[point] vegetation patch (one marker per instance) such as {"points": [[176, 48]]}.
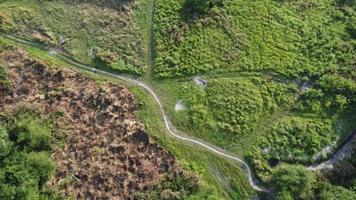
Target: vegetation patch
{"points": [[236, 35], [227, 107], [26, 165], [172, 186], [292, 140], [104, 33], [296, 182]]}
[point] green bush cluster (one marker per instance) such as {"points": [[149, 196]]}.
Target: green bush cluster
{"points": [[231, 107], [297, 140], [331, 94], [32, 133], [25, 163], [293, 182], [199, 7], [297, 182]]}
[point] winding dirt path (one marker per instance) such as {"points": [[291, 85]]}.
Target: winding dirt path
{"points": [[171, 130]]}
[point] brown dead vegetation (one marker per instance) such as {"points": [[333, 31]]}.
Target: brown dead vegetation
{"points": [[107, 154]]}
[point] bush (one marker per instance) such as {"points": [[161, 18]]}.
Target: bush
{"points": [[351, 3], [201, 6], [297, 140], [40, 164], [22, 173], [230, 107], [2, 74], [293, 140], [32, 133], [293, 182], [330, 192], [5, 143], [15, 175]]}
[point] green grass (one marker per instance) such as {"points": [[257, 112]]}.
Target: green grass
{"points": [[112, 32]]}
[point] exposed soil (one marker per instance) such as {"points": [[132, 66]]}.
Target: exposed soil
{"points": [[343, 152], [107, 153], [341, 167], [179, 106]]}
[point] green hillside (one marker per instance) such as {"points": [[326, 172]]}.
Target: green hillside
{"points": [[280, 77], [272, 81]]}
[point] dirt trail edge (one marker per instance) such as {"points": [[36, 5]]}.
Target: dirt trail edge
{"points": [[66, 58]]}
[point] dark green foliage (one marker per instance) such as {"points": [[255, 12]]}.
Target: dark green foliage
{"points": [[293, 140], [41, 164], [199, 7], [20, 174], [345, 173], [348, 16], [32, 133], [5, 143], [25, 163], [293, 182], [297, 140], [331, 95], [335, 85], [351, 3], [297, 182], [2, 74], [330, 192]]}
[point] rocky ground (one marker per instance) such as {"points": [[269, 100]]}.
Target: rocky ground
{"points": [[106, 153]]}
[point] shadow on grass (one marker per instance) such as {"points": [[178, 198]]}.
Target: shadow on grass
{"points": [[110, 4]]}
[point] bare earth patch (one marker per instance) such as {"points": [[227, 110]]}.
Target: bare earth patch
{"points": [[107, 154]]}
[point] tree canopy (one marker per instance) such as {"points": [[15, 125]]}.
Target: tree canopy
{"points": [[293, 181]]}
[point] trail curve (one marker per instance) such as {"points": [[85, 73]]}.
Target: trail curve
{"points": [[77, 64]]}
